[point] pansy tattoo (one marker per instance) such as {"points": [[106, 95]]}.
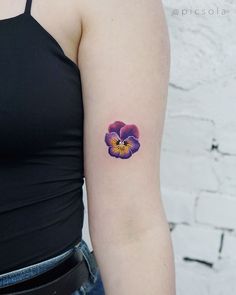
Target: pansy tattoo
{"points": [[122, 140]]}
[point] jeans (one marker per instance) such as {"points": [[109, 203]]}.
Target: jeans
{"points": [[93, 286]]}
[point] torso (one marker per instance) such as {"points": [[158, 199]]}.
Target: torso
{"points": [[41, 131], [62, 19]]}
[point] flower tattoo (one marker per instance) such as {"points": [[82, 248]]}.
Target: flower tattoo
{"points": [[122, 140]]}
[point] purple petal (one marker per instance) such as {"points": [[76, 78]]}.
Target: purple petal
{"points": [[126, 155], [114, 152], [133, 143], [111, 138], [116, 126], [129, 130]]}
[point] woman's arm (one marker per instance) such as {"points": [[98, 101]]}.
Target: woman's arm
{"points": [[124, 63]]}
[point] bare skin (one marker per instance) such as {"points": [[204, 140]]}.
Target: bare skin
{"points": [[122, 50]]}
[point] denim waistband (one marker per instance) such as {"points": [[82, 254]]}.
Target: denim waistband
{"points": [[33, 270]]}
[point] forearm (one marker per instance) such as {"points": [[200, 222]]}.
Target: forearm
{"points": [[141, 264]]}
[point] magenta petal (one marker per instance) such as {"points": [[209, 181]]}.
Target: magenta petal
{"points": [[116, 126], [111, 138], [129, 130], [134, 143]]}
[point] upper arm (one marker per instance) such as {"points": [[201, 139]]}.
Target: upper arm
{"points": [[124, 63]]}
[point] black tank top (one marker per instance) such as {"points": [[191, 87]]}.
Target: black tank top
{"points": [[41, 145]]}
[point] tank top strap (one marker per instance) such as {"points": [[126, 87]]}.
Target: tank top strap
{"points": [[28, 6]]}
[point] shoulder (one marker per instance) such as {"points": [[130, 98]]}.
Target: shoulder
{"points": [[94, 12]]}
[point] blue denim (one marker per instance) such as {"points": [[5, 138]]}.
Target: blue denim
{"points": [[93, 286]]}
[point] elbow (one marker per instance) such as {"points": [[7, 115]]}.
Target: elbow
{"points": [[129, 227]]}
